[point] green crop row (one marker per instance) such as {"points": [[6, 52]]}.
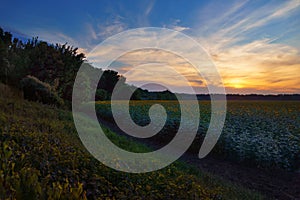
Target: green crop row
{"points": [[260, 133]]}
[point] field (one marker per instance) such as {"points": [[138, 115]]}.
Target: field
{"points": [[43, 158], [259, 133]]}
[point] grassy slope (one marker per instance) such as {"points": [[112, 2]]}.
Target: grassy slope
{"points": [[42, 157]]}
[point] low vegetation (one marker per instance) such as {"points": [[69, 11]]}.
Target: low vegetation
{"points": [[43, 158], [258, 133]]}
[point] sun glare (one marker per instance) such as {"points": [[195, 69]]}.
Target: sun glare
{"points": [[236, 83]]}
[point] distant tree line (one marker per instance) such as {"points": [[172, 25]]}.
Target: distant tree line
{"points": [[254, 97]]}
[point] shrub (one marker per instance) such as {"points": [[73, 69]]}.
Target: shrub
{"points": [[101, 95], [36, 90]]}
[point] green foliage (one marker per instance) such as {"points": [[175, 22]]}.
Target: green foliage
{"points": [[55, 65], [109, 79], [43, 158], [10, 92], [264, 134], [101, 95], [83, 85], [36, 90]]}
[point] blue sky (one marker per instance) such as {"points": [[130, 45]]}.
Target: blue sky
{"points": [[237, 34]]}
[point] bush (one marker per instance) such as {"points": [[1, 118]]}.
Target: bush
{"points": [[7, 91], [36, 90], [101, 95]]}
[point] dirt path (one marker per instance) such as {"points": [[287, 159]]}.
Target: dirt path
{"points": [[275, 184]]}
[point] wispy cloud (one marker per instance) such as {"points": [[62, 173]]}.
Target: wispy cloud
{"points": [[91, 31], [109, 30], [259, 64], [231, 27], [141, 17], [149, 7], [248, 59], [280, 11], [175, 25], [247, 63], [160, 62], [100, 29], [97, 30]]}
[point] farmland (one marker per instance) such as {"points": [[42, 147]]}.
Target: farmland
{"points": [[258, 133], [42, 157]]}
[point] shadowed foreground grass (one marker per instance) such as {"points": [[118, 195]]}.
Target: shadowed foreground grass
{"points": [[43, 158]]}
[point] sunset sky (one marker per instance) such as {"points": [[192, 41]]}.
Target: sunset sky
{"points": [[255, 45]]}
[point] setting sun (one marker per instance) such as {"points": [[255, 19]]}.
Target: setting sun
{"points": [[235, 83]]}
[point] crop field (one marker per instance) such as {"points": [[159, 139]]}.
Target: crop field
{"points": [[259, 133], [42, 157]]}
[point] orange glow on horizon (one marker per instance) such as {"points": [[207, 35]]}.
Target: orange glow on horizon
{"points": [[235, 83], [273, 69]]}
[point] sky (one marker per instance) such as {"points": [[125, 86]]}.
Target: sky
{"points": [[255, 45]]}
